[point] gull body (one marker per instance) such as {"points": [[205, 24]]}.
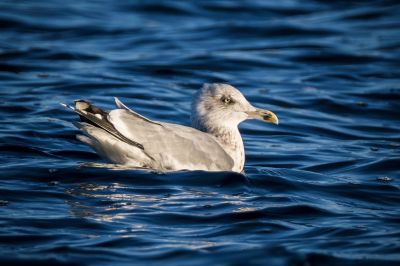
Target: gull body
{"points": [[213, 143]]}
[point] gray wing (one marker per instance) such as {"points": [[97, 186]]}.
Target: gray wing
{"points": [[121, 105], [173, 146], [96, 116]]}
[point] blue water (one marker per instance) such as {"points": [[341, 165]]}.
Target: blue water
{"points": [[322, 188]]}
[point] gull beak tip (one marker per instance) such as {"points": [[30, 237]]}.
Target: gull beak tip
{"points": [[263, 115], [273, 120], [271, 117]]}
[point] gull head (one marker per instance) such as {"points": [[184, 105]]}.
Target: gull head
{"points": [[222, 105]]}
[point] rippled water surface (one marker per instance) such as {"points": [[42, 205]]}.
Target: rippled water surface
{"points": [[322, 188]]}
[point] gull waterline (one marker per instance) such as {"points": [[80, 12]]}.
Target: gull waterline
{"points": [[213, 143]]}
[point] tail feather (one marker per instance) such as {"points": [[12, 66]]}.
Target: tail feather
{"points": [[68, 106], [86, 108], [100, 134], [111, 148], [97, 117], [85, 139]]}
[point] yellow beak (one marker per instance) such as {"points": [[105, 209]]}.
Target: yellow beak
{"points": [[263, 115]]}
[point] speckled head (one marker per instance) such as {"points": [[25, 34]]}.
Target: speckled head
{"points": [[222, 105]]}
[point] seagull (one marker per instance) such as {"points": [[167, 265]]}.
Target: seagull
{"points": [[213, 143]]}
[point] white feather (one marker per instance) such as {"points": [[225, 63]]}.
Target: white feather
{"points": [[214, 143]]}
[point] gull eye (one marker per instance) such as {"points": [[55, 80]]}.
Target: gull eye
{"points": [[227, 100]]}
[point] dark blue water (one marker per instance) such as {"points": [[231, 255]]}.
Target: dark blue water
{"points": [[322, 188]]}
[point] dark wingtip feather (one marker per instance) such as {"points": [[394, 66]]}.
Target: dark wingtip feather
{"points": [[97, 117], [82, 105]]}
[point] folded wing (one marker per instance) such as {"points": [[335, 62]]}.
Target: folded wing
{"points": [[172, 146]]}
